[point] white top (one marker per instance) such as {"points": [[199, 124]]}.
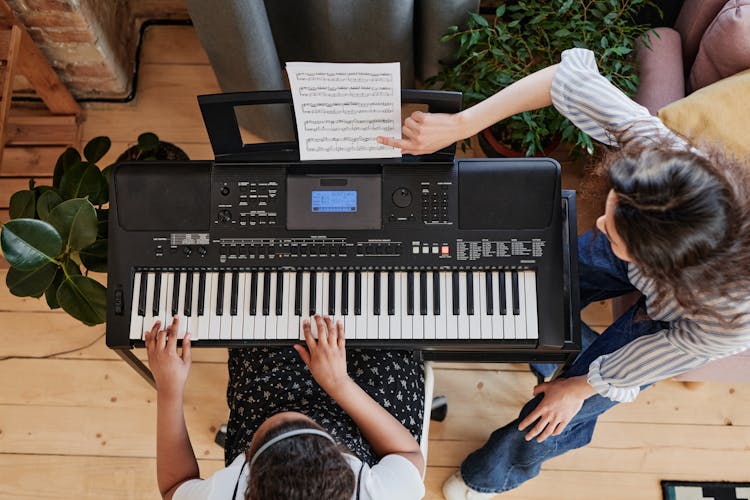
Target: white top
{"points": [[393, 478], [598, 108]]}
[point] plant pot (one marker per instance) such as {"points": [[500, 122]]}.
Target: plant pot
{"points": [[493, 148], [165, 151]]}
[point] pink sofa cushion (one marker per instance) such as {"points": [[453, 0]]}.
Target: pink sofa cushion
{"points": [[725, 47], [661, 79], [694, 18]]}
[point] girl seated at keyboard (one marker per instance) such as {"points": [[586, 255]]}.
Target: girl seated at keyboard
{"points": [[300, 426]]}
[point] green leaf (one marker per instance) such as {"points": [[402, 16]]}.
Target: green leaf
{"points": [[500, 11], [102, 215], [51, 293], [67, 159], [477, 18], [76, 222], [148, 141], [83, 298], [31, 283], [46, 202], [106, 171], [28, 244], [96, 148], [80, 181], [94, 256], [22, 204]]}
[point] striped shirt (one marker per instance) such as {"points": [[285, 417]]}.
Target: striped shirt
{"points": [[598, 108]]}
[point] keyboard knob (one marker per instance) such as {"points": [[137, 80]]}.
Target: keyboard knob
{"points": [[202, 251], [401, 197], [187, 251], [225, 216], [225, 191]]}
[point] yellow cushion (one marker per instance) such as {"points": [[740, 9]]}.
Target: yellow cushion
{"points": [[718, 114]]}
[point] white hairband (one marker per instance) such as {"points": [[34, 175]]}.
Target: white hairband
{"points": [[285, 435]]}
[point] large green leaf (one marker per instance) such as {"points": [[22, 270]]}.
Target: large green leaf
{"points": [[94, 256], [80, 181], [46, 202], [76, 222], [67, 159], [22, 204], [83, 298], [102, 214], [51, 293], [96, 148], [148, 141], [31, 283], [28, 244]]}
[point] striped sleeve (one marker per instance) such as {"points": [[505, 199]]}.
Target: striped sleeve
{"points": [[599, 108]]}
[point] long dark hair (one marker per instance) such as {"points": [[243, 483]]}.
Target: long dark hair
{"points": [[300, 468], [684, 217]]}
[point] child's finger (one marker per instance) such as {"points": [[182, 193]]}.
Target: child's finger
{"points": [[331, 331], [172, 339], [340, 330], [303, 353], [161, 340], [306, 330], [322, 330], [187, 355]]}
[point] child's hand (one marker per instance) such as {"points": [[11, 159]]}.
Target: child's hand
{"points": [[170, 369], [326, 356]]}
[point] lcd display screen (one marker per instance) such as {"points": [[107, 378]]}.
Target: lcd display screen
{"points": [[334, 201]]}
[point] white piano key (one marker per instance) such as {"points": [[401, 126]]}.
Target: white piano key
{"points": [[497, 319], [509, 324], [417, 321], [475, 320], [451, 320], [480, 306], [429, 319], [282, 322], [204, 321], [192, 322], [441, 321], [148, 319], [337, 295], [406, 320], [239, 320], [384, 321], [214, 326], [305, 303], [182, 325], [323, 300], [166, 311], [319, 294], [136, 320], [259, 322], [226, 317], [532, 322], [350, 320], [519, 320], [372, 321], [248, 321], [395, 321], [463, 318], [272, 319]]}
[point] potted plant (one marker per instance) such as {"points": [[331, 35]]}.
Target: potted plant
{"points": [[524, 37], [58, 234]]}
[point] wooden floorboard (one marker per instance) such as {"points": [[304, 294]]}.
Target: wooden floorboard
{"points": [[76, 422]]}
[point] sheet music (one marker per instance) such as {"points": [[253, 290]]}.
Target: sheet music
{"points": [[342, 108]]}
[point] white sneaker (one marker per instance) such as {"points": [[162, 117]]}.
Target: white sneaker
{"points": [[455, 489]]}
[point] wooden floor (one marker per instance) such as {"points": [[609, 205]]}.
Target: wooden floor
{"points": [[76, 422]]}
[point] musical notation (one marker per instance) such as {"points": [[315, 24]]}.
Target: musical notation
{"points": [[361, 100]]}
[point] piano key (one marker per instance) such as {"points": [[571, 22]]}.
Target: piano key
{"points": [[248, 321], [455, 293], [234, 294], [148, 317], [394, 299], [344, 294], [532, 322], [516, 295], [214, 323], [298, 294], [324, 279], [429, 318], [166, 310], [503, 297], [410, 293], [141, 290], [312, 301], [201, 293], [226, 317], [156, 304], [372, 320], [509, 328], [405, 319], [463, 317], [417, 321], [271, 318], [253, 294], [498, 321], [220, 283], [136, 319], [180, 285], [362, 319], [320, 284], [519, 320], [442, 324], [488, 291], [237, 307], [423, 293], [187, 310], [266, 293], [280, 292], [376, 293], [305, 307], [357, 293], [332, 293], [283, 330], [436, 288], [259, 319], [485, 318], [204, 318], [191, 308], [472, 291], [350, 321], [384, 322], [175, 296]]}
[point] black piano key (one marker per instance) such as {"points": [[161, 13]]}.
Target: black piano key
{"points": [[188, 309], [436, 293], [470, 293], [357, 293], [345, 293], [220, 295], [235, 292], [313, 284], [266, 294], [514, 289], [423, 293], [201, 293], [254, 293], [410, 293], [332, 294], [298, 294], [488, 295], [157, 294], [391, 293], [376, 294], [142, 295], [279, 292], [176, 294], [501, 289], [456, 303]]}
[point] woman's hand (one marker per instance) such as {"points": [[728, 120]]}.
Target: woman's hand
{"points": [[425, 133], [326, 356], [169, 368], [562, 400]]}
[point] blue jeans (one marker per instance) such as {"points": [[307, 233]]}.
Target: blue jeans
{"points": [[507, 459]]}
